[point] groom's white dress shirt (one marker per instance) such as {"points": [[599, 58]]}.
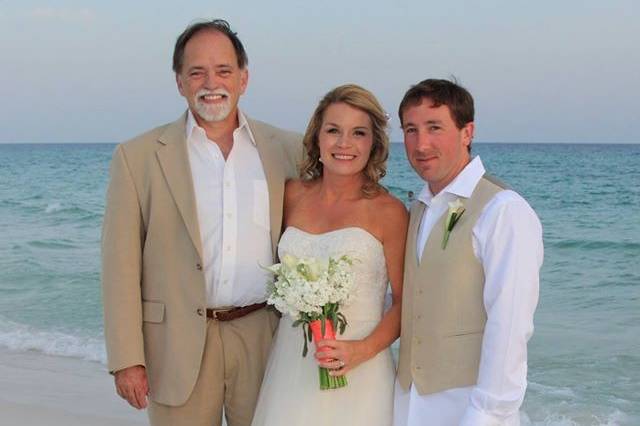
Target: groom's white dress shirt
{"points": [[507, 240], [233, 215]]}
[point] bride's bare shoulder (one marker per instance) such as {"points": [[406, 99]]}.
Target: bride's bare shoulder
{"points": [[390, 205], [391, 213], [296, 188], [296, 191], [293, 186]]}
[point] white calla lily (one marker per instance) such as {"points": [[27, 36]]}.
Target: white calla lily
{"points": [[456, 210]]}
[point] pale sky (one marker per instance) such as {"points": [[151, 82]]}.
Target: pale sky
{"points": [[546, 71]]}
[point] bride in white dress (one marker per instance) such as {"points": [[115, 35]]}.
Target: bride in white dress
{"points": [[339, 208]]}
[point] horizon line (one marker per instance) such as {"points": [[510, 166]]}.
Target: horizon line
{"points": [[392, 142]]}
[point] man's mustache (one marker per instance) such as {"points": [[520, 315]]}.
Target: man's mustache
{"points": [[208, 92]]}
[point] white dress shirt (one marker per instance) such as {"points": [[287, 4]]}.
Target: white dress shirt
{"points": [[233, 214], [507, 240]]}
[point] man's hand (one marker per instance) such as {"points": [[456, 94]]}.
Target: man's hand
{"points": [[132, 385]]}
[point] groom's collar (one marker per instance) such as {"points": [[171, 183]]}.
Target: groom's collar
{"points": [[463, 184]]}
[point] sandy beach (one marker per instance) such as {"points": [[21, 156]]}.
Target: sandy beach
{"points": [[37, 389]]}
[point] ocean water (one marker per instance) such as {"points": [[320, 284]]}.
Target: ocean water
{"points": [[584, 359]]}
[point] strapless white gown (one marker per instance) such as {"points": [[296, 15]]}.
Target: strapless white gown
{"points": [[290, 393]]}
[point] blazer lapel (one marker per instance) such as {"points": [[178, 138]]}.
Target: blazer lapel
{"points": [[174, 161], [271, 159]]}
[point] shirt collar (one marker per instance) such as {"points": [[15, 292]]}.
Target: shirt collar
{"points": [[243, 125], [461, 186]]}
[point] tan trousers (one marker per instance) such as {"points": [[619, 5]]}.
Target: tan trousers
{"points": [[233, 364]]}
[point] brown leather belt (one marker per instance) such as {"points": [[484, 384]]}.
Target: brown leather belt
{"points": [[228, 314]]}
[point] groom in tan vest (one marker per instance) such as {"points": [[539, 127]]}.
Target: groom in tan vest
{"points": [[194, 208], [472, 263]]}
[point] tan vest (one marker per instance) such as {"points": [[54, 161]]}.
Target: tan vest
{"points": [[443, 315]]}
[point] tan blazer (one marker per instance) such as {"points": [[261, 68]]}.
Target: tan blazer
{"points": [[152, 275]]}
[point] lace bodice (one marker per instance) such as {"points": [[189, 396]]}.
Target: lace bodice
{"points": [[369, 267]]}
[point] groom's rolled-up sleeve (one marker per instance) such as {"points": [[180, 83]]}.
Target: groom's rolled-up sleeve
{"points": [[508, 241], [122, 240]]}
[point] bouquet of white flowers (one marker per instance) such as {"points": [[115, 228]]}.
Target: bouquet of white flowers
{"points": [[311, 292]]}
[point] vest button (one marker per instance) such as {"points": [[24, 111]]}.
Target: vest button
{"points": [[199, 266], [200, 311]]}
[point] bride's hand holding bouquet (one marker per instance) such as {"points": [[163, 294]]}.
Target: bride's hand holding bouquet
{"points": [[312, 292], [342, 356]]}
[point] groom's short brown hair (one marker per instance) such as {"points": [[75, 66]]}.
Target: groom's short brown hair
{"points": [[441, 92]]}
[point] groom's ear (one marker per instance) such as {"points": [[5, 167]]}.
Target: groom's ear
{"points": [[467, 133]]}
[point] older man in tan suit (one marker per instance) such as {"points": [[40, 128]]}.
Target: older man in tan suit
{"points": [[194, 208]]}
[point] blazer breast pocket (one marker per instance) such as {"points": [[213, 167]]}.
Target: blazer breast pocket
{"points": [[152, 311]]}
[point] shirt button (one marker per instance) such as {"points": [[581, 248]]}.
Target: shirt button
{"points": [[228, 215], [228, 248], [227, 184], [418, 316]]}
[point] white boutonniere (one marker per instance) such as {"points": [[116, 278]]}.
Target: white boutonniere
{"points": [[456, 210]]}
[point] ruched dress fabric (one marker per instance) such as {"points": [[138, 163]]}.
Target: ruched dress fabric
{"points": [[290, 393]]}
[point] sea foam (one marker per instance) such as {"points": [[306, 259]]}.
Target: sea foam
{"points": [[20, 337], [53, 207]]}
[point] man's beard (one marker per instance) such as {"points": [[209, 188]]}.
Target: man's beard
{"points": [[213, 113]]}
